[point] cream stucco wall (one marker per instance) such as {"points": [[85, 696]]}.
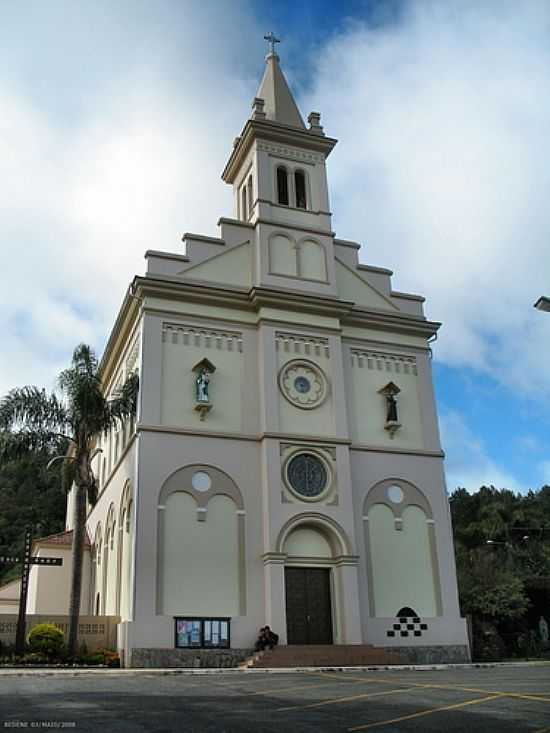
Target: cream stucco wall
{"points": [[178, 379], [9, 596], [200, 557], [49, 587], [294, 419], [401, 562], [370, 371], [307, 542]]}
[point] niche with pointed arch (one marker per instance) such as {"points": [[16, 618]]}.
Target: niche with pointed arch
{"points": [[200, 545]]}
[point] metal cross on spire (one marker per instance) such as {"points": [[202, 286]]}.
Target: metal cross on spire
{"points": [[272, 40]]}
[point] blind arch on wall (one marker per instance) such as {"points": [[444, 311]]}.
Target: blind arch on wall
{"points": [[401, 551], [312, 263], [201, 546]]}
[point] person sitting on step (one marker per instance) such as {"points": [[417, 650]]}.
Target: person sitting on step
{"points": [[266, 639]]}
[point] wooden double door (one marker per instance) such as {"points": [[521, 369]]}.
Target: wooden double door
{"points": [[308, 605]]}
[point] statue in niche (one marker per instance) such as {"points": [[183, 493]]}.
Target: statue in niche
{"points": [[390, 391], [202, 383], [204, 371], [392, 408]]}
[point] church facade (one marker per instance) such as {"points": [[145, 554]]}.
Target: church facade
{"points": [[285, 465]]}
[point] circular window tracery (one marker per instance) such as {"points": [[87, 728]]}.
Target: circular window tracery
{"points": [[395, 494], [201, 481], [307, 475], [303, 384]]}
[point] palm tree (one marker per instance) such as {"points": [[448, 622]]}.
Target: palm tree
{"points": [[33, 421]]}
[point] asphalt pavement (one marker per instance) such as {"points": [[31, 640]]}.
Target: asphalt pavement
{"points": [[490, 700]]}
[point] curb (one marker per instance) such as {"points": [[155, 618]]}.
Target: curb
{"points": [[185, 671]]}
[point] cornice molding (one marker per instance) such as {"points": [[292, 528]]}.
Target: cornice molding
{"points": [[253, 299], [120, 336], [301, 344], [275, 558], [389, 362], [192, 335], [294, 438], [291, 153], [370, 448], [298, 227], [274, 132], [160, 255]]}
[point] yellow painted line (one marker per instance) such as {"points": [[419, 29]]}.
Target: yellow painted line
{"points": [[272, 690], [526, 696], [422, 713], [506, 693], [349, 698], [457, 688]]}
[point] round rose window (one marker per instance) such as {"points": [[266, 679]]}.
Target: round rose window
{"points": [[307, 475], [303, 384]]}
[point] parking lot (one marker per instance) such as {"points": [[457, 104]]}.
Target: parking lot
{"points": [[500, 700]]}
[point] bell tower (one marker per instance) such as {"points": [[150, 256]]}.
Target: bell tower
{"points": [[278, 172]]}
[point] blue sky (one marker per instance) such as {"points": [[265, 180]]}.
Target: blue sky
{"points": [[118, 118]]}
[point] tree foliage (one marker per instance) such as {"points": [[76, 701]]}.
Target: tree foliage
{"points": [[30, 496], [502, 546], [35, 422]]}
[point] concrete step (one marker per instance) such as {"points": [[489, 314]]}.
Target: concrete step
{"points": [[345, 655]]}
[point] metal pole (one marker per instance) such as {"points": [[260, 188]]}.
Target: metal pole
{"points": [[21, 620]]}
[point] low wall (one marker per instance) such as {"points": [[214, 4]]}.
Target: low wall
{"points": [[198, 658], [97, 632], [448, 654]]}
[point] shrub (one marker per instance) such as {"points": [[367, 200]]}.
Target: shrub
{"points": [[112, 659], [46, 639], [95, 658], [34, 658], [488, 645]]}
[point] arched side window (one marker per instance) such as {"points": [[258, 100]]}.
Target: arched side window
{"points": [[250, 196], [282, 185], [300, 189], [244, 212]]}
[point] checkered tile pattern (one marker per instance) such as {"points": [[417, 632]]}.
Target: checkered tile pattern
{"points": [[407, 626]]}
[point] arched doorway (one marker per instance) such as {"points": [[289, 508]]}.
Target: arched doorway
{"points": [[309, 586]]}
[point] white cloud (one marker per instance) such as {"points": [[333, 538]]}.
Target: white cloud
{"points": [[84, 194], [113, 136], [467, 463], [443, 168]]}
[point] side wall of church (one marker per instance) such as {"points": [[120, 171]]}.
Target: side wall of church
{"points": [[110, 527]]}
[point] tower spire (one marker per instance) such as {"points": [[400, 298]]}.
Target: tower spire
{"points": [[274, 90]]}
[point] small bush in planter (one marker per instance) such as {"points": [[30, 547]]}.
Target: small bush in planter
{"points": [[46, 639], [34, 658], [102, 657], [112, 659], [96, 658]]}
